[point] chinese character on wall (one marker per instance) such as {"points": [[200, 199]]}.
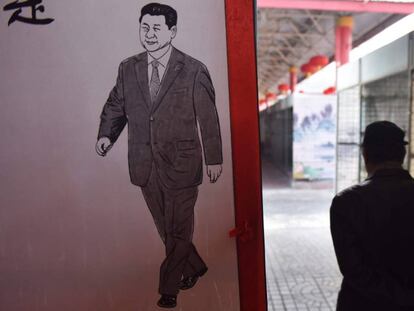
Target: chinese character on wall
{"points": [[33, 5]]}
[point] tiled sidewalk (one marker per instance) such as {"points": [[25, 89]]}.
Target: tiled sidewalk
{"points": [[302, 272]]}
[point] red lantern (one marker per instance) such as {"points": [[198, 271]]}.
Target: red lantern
{"points": [[319, 61], [262, 104], [330, 90], [283, 88], [271, 96], [308, 69]]}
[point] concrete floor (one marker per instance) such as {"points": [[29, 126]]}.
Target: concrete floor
{"points": [[301, 268]]}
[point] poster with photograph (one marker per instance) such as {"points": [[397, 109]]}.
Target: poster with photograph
{"points": [[116, 167]]}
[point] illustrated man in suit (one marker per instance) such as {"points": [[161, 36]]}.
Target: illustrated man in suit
{"points": [[163, 94]]}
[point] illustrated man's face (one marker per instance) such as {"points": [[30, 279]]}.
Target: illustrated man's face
{"points": [[154, 32]]}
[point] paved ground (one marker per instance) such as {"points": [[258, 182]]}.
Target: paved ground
{"points": [[301, 267]]}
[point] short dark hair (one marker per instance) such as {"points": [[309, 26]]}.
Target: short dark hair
{"points": [[380, 154], [383, 142], [160, 9]]}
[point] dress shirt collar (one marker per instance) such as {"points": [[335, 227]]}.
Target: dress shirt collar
{"points": [[163, 60]]}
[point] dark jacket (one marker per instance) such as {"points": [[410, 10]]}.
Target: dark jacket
{"points": [[165, 132], [372, 226]]}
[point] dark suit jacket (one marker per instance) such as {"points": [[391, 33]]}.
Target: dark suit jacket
{"points": [[372, 227], [165, 132]]}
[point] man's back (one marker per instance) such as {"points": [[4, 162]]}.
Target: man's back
{"points": [[372, 229]]}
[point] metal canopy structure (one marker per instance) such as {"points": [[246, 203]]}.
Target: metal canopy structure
{"points": [[290, 37]]}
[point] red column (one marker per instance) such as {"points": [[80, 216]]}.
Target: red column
{"points": [[293, 71], [343, 39], [241, 57]]}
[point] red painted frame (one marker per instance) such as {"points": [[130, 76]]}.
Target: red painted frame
{"points": [[241, 54]]}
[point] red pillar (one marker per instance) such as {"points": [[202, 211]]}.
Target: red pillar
{"points": [[343, 39], [245, 139], [293, 71]]}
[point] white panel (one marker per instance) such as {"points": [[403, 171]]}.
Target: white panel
{"points": [[386, 61], [75, 234], [348, 75]]}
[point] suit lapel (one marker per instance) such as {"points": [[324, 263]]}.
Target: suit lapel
{"points": [[141, 72], [175, 64]]}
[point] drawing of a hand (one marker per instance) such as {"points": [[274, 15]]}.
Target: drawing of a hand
{"points": [[103, 145], [214, 172]]}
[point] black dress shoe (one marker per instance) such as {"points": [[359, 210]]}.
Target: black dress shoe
{"points": [[189, 281], [167, 301]]}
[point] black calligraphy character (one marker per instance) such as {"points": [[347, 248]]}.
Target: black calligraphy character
{"points": [[34, 5]]}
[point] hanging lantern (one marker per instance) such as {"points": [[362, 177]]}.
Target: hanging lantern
{"points": [[271, 96], [283, 88], [308, 69], [319, 61], [330, 90], [262, 104]]}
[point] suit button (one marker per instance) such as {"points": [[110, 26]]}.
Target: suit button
{"points": [[147, 143], [151, 118]]}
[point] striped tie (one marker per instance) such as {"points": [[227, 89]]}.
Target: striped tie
{"points": [[155, 82]]}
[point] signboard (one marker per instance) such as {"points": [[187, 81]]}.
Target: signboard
{"points": [[117, 179], [314, 136]]}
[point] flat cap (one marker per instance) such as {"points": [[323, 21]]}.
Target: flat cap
{"points": [[383, 133]]}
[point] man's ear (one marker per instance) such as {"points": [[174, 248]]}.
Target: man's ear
{"points": [[173, 31], [364, 152], [365, 157]]}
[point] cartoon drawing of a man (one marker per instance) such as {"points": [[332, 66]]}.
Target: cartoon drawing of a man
{"points": [[163, 94]]}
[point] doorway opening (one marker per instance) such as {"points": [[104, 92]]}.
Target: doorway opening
{"points": [[315, 98]]}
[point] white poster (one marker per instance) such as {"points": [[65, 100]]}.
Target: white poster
{"points": [[314, 136], [116, 171]]}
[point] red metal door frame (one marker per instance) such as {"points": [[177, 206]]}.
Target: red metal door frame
{"points": [[241, 54]]}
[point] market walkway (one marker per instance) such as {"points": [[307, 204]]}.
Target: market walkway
{"points": [[301, 268]]}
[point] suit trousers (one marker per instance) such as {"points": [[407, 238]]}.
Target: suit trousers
{"points": [[173, 214]]}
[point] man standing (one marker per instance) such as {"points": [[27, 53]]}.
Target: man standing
{"points": [[165, 95], [372, 228]]}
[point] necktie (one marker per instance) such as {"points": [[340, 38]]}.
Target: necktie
{"points": [[155, 82]]}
